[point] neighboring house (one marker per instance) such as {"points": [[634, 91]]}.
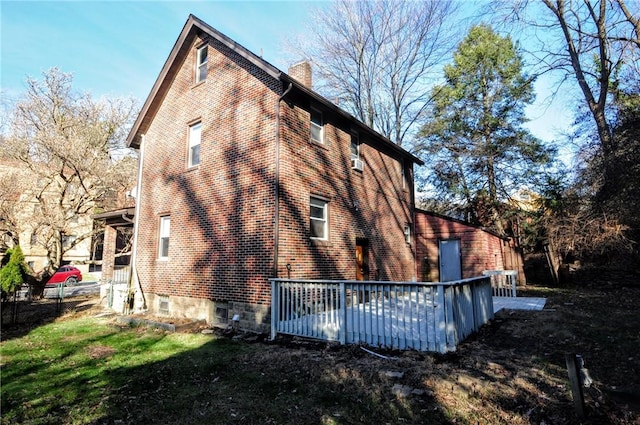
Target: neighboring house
{"points": [[450, 249], [247, 174], [114, 251], [22, 216]]}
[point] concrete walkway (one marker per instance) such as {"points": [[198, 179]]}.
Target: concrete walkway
{"points": [[518, 303]]}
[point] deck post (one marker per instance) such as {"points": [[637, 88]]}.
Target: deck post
{"points": [[342, 329], [576, 385], [441, 320], [274, 310]]}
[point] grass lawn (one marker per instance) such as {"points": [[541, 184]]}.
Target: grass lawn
{"points": [[85, 369]]}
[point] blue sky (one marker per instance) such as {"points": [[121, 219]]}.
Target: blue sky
{"points": [[117, 48]]}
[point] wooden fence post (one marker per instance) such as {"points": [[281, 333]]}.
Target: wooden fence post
{"points": [[576, 384]]}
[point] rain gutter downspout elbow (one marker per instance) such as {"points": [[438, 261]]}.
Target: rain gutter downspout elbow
{"points": [[276, 232]]}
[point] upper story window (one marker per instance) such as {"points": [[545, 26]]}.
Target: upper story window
{"points": [[319, 223], [165, 231], [195, 137], [407, 233], [202, 57], [68, 241], [403, 175], [317, 126], [356, 162]]}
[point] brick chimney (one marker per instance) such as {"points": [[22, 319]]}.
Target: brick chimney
{"points": [[301, 72]]}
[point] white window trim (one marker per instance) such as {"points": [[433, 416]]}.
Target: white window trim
{"points": [[200, 63], [324, 204], [313, 125], [407, 233], [356, 137], [164, 233], [194, 141]]}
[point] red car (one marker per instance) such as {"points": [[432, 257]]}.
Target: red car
{"points": [[67, 274]]}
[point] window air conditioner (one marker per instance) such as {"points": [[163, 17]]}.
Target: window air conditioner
{"points": [[356, 164]]}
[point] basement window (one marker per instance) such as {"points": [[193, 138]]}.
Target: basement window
{"points": [[163, 305]]}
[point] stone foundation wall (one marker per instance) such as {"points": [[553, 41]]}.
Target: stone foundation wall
{"points": [[251, 317]]}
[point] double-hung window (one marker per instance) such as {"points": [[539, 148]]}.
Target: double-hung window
{"points": [[317, 126], [202, 57], [165, 231], [355, 147], [356, 162], [319, 223], [407, 233], [195, 136], [68, 241]]}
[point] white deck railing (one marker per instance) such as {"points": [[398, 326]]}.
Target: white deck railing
{"points": [[503, 282], [400, 315]]}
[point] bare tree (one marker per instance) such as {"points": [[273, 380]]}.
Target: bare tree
{"points": [[591, 42], [378, 59], [70, 152]]}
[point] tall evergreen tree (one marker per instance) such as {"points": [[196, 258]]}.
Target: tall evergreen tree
{"points": [[475, 143]]}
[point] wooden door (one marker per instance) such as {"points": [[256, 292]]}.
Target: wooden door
{"points": [[362, 260]]}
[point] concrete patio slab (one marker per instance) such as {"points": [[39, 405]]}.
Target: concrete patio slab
{"points": [[518, 303]]}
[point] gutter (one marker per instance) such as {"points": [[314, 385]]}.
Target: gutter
{"points": [[276, 218], [133, 272]]}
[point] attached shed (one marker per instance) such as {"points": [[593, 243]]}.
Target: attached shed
{"points": [[450, 249]]}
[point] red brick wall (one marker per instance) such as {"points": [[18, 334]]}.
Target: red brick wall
{"points": [[108, 252], [370, 205], [479, 250], [222, 212]]}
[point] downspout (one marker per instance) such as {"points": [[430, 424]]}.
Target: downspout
{"points": [[276, 232], [415, 224], [133, 272]]}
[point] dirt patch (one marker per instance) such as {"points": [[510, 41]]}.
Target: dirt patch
{"points": [[165, 323], [100, 351]]}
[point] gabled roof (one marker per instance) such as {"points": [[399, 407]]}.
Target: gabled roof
{"points": [[196, 27]]}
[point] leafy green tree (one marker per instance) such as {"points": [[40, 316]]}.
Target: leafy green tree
{"points": [[479, 153], [14, 273]]}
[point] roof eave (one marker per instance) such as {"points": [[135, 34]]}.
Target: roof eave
{"points": [[346, 115]]}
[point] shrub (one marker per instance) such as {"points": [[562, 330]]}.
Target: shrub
{"points": [[14, 273]]}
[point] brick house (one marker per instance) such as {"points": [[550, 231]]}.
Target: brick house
{"points": [[245, 174], [451, 249]]}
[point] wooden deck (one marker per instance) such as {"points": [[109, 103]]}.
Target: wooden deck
{"points": [[426, 316]]}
